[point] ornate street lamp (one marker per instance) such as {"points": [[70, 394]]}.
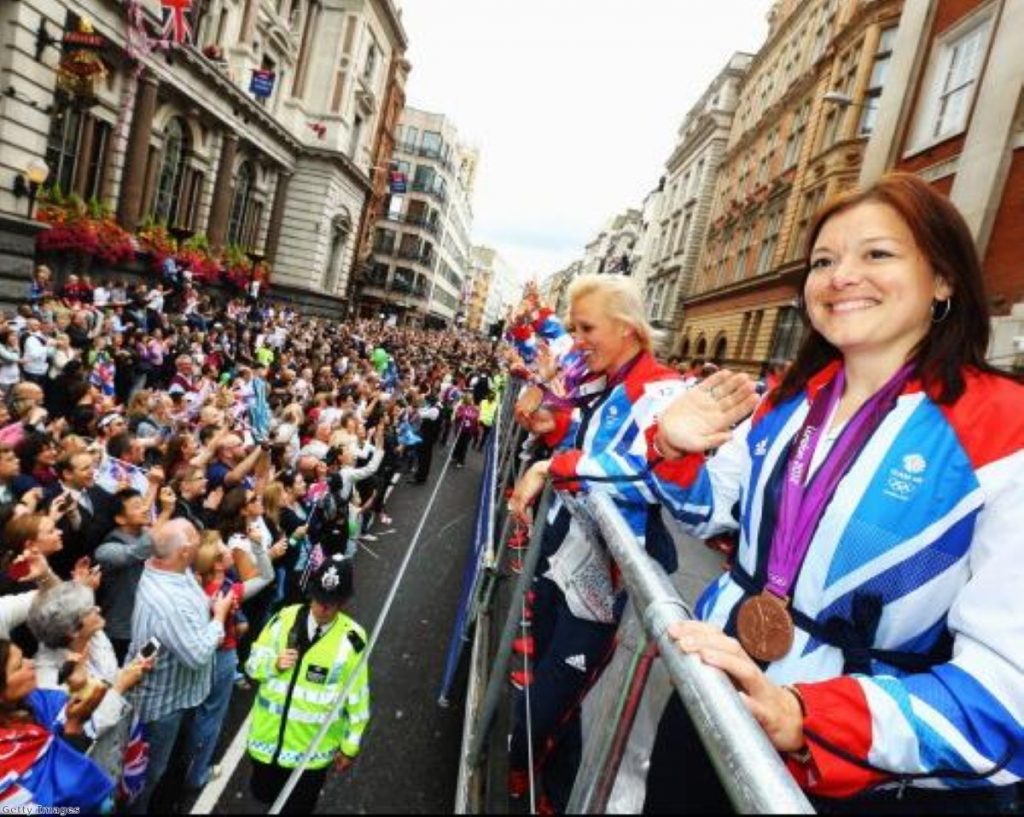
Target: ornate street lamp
{"points": [[28, 182]]}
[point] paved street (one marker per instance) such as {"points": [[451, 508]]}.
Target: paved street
{"points": [[409, 759]]}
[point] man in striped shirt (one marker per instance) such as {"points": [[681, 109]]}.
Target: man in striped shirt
{"points": [[171, 607]]}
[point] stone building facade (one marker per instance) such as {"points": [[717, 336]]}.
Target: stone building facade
{"points": [[183, 135], [796, 139]]}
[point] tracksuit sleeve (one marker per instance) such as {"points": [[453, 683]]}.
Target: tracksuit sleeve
{"points": [[700, 492], [964, 718]]}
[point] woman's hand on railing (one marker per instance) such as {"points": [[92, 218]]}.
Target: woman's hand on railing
{"points": [[527, 490], [776, 708], [702, 418]]}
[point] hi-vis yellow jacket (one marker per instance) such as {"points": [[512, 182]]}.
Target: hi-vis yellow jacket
{"points": [[291, 705]]}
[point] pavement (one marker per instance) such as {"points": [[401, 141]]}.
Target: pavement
{"points": [[410, 752]]}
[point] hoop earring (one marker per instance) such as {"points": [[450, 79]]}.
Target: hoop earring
{"points": [[947, 303]]}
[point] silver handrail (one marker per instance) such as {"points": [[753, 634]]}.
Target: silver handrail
{"points": [[748, 766]]}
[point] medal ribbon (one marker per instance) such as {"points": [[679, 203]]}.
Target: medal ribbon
{"points": [[803, 501]]}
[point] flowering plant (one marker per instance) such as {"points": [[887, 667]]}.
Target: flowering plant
{"points": [[196, 256], [155, 239], [85, 229]]}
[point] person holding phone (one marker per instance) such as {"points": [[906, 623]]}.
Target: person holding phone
{"points": [[172, 607]]}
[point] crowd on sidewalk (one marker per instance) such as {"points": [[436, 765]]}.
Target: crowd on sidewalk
{"points": [[174, 472]]}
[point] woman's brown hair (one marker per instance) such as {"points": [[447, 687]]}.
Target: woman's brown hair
{"points": [[961, 339]]}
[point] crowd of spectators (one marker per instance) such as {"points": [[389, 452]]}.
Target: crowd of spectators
{"points": [[172, 468]]}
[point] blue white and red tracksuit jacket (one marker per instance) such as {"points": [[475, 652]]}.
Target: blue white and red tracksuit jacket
{"points": [[925, 531], [608, 440]]}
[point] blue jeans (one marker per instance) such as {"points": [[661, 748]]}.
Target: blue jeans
{"points": [[161, 734], [208, 720]]}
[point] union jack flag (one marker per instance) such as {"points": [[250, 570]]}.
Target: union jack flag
{"points": [[176, 26]]}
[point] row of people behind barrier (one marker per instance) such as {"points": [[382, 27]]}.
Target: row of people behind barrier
{"points": [[870, 617]]}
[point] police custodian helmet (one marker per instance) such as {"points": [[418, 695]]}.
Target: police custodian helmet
{"points": [[331, 582]]}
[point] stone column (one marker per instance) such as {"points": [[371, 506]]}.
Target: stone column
{"points": [[248, 22], [85, 147], [217, 226], [277, 216], [133, 178]]}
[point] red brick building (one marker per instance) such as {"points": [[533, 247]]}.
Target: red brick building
{"points": [[957, 119]]}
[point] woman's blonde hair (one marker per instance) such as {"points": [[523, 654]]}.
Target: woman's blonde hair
{"points": [[210, 542], [621, 299]]}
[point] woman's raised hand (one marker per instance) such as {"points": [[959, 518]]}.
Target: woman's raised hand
{"points": [[702, 418]]}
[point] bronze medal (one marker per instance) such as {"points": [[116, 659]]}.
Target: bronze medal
{"points": [[765, 627]]}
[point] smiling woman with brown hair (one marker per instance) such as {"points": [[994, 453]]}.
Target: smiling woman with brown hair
{"points": [[873, 617]]}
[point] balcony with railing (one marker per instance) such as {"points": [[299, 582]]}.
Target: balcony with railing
{"points": [[427, 153], [439, 195], [420, 222]]}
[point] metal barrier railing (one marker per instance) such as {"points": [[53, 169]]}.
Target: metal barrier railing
{"points": [[748, 766]]}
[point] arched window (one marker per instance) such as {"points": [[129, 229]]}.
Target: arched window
{"points": [[240, 204], [721, 346], [702, 346], [172, 174], [341, 227], [685, 351]]}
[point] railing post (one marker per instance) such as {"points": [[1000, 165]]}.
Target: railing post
{"points": [[497, 681], [621, 690], [748, 766]]}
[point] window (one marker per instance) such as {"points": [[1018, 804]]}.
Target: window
{"points": [[431, 143], [961, 74], [341, 226], [788, 334], [412, 135], [741, 254], [829, 132], [371, 63], [769, 240], [62, 147], [671, 242], [424, 178], [697, 178], [171, 177], [244, 183], [811, 204], [685, 232], [384, 241], [357, 135], [951, 81], [100, 138], [879, 71], [796, 136]]}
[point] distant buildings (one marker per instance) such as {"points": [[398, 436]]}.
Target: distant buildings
{"points": [[496, 287], [420, 267], [675, 216]]}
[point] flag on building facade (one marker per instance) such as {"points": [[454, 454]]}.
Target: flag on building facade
{"points": [[176, 26]]}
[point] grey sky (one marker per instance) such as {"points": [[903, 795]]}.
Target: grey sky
{"points": [[574, 104]]}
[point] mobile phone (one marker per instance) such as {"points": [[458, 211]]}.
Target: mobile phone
{"points": [[19, 570], [150, 648]]}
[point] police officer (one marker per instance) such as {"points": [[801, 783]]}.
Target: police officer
{"points": [[302, 661]]}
